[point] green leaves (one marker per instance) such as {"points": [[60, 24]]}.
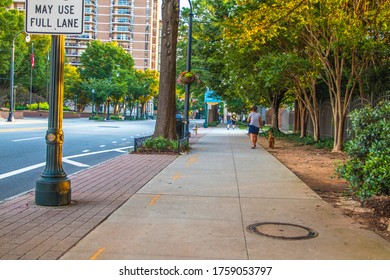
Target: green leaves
{"points": [[368, 167], [100, 60]]}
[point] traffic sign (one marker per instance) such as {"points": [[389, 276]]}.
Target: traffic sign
{"points": [[55, 16]]}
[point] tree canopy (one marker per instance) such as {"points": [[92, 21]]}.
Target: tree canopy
{"points": [[259, 51]]}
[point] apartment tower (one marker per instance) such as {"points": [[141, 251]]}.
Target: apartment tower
{"points": [[133, 24]]}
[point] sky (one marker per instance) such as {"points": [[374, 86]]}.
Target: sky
{"points": [[184, 3]]}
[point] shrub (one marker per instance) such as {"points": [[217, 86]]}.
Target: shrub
{"points": [[213, 124], [96, 118], [38, 106], [20, 107], [367, 169], [160, 144], [116, 118]]}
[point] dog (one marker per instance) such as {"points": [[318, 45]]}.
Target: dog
{"points": [[271, 140]]}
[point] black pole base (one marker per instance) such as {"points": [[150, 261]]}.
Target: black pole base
{"points": [[52, 191]]}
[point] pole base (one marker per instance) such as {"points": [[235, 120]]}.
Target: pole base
{"points": [[53, 192]]}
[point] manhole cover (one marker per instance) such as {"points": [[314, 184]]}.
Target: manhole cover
{"points": [[282, 231]]}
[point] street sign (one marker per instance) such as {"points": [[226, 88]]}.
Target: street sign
{"points": [[55, 16], [211, 97]]}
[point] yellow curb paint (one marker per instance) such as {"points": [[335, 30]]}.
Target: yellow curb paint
{"points": [[177, 176], [154, 199], [97, 254]]}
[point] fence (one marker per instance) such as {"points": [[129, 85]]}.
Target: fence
{"points": [[138, 141], [286, 116]]}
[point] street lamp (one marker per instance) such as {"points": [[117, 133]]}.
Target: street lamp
{"points": [[187, 88], [93, 103], [11, 103]]}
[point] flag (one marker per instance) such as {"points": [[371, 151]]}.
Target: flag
{"points": [[32, 60]]}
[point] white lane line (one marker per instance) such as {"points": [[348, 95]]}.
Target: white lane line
{"points": [[85, 151], [99, 152], [27, 139], [35, 166], [75, 163], [124, 139], [114, 142], [25, 169], [120, 151], [102, 146]]}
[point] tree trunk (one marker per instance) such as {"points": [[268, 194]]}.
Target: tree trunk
{"points": [[316, 126], [166, 106], [296, 116], [303, 120], [275, 104], [275, 115]]}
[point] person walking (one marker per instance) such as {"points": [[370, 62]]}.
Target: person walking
{"points": [[234, 119], [228, 120], [254, 121]]}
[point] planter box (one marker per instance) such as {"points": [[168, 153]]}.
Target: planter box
{"points": [[17, 114]]}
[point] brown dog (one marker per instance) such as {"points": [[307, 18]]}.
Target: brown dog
{"points": [[271, 140]]}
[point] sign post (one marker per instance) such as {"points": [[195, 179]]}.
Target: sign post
{"points": [[57, 18]]}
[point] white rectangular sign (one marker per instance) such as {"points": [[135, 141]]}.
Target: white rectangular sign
{"points": [[55, 16]]}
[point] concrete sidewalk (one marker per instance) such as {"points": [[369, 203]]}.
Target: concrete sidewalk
{"points": [[201, 205]]}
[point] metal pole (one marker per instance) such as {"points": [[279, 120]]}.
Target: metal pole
{"points": [[31, 71], [187, 88], [11, 91], [47, 76], [53, 188], [93, 102], [11, 94], [108, 100]]}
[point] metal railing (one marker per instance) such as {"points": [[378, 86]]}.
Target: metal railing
{"points": [[138, 141]]}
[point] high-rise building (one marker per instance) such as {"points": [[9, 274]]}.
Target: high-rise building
{"points": [[133, 24]]}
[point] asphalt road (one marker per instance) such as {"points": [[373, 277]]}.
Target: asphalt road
{"points": [[87, 143]]}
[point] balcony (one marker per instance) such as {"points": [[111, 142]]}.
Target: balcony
{"points": [[122, 12], [121, 3], [89, 11]]}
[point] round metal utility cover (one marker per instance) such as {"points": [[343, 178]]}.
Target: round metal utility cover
{"points": [[282, 231]]}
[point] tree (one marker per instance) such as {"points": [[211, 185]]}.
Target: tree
{"points": [[341, 35], [148, 81], [72, 86], [100, 87], [273, 76], [101, 60], [11, 22], [166, 119]]}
